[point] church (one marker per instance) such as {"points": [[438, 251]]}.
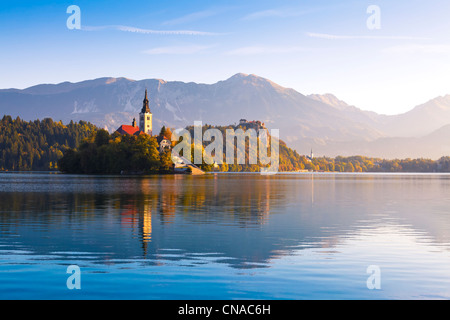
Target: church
{"points": [[145, 125], [145, 121]]}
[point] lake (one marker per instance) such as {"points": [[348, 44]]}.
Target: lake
{"points": [[225, 236]]}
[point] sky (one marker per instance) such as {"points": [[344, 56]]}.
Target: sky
{"points": [[388, 60]]}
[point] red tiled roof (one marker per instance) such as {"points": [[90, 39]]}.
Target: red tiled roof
{"points": [[161, 138], [125, 129]]}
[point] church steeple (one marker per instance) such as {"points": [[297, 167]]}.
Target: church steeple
{"points": [[145, 117], [145, 106]]}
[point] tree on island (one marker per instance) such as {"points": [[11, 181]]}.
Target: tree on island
{"points": [[166, 132], [103, 153]]}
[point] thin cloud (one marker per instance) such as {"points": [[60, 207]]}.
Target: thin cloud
{"points": [[177, 50], [257, 50], [191, 17], [148, 31], [419, 48], [354, 37], [277, 13]]}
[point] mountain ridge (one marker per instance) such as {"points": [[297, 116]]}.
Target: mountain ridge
{"points": [[318, 121]]}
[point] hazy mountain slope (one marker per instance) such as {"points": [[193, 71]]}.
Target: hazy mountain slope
{"points": [[422, 120], [331, 100], [370, 118], [433, 146]]}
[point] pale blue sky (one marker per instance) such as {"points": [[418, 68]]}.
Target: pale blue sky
{"points": [[320, 46]]}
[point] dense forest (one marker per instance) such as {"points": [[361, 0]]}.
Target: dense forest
{"points": [[38, 145]]}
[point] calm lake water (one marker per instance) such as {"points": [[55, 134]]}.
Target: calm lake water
{"points": [[225, 236]]}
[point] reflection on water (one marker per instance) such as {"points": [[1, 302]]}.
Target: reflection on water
{"points": [[291, 236]]}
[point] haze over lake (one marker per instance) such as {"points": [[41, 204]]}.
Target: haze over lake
{"points": [[225, 236]]}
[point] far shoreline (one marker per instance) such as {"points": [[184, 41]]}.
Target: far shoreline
{"points": [[227, 173]]}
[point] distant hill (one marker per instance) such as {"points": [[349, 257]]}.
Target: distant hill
{"points": [[422, 120], [322, 122], [423, 132], [433, 146]]}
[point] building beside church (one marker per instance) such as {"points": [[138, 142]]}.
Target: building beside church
{"points": [[164, 143]]}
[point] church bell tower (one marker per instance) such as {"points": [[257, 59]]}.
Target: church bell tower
{"points": [[145, 117]]}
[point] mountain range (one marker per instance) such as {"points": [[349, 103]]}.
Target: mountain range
{"points": [[323, 123]]}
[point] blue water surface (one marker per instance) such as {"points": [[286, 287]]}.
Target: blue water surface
{"points": [[225, 236]]}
